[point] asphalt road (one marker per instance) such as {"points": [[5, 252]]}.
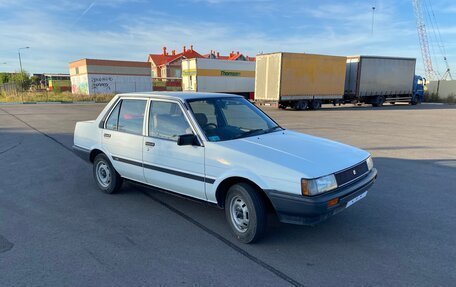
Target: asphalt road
{"points": [[57, 229]]}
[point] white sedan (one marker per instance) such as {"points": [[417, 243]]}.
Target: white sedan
{"points": [[222, 149]]}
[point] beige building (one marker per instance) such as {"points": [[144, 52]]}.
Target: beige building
{"points": [[166, 68], [93, 76]]}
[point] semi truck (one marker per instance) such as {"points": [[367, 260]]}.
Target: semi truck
{"points": [[218, 76], [300, 81], [376, 80]]}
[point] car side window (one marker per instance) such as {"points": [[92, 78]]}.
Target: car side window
{"points": [[113, 120], [166, 120], [131, 116]]}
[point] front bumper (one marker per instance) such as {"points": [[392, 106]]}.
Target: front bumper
{"points": [[299, 209]]}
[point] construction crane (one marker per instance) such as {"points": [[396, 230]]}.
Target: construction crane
{"points": [[431, 74], [424, 43]]}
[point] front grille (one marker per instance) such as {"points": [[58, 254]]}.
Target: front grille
{"points": [[351, 173]]}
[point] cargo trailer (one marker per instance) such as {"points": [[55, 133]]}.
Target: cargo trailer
{"points": [[218, 76], [376, 80], [300, 81]]}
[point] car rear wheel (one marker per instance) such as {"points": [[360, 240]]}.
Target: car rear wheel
{"points": [[245, 212], [106, 177]]}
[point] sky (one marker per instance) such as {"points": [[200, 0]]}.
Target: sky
{"points": [[59, 32]]}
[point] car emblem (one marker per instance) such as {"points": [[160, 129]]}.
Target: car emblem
{"points": [[354, 172]]}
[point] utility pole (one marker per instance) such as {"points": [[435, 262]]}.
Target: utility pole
{"points": [[19, 53], [20, 64], [373, 15]]}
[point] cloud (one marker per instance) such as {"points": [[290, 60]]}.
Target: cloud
{"points": [[83, 13], [324, 29]]}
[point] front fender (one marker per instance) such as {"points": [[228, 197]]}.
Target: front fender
{"points": [[242, 173]]}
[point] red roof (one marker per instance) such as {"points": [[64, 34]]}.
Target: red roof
{"points": [[231, 57], [160, 59]]}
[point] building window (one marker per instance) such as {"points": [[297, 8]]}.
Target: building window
{"points": [[77, 70]]}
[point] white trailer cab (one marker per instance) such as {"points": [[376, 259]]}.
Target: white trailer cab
{"points": [[375, 80], [218, 76]]}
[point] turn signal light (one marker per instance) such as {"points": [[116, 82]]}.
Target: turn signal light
{"points": [[333, 202]]}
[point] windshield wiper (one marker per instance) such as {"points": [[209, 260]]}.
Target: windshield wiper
{"points": [[273, 129], [253, 132], [249, 133]]}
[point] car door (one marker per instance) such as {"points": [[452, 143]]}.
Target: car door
{"points": [[123, 137], [166, 164]]}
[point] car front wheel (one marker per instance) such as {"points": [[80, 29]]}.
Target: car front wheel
{"points": [[106, 177], [245, 212]]}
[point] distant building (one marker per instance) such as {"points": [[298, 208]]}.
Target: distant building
{"points": [[231, 57], [161, 72], [166, 68], [92, 76], [56, 82]]}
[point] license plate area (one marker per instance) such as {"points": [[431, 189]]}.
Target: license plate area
{"points": [[356, 199]]}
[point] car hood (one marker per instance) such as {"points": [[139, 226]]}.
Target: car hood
{"points": [[312, 156]]}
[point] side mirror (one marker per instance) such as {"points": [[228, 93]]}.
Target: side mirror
{"points": [[188, 139]]}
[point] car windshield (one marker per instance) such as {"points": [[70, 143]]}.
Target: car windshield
{"points": [[230, 118]]}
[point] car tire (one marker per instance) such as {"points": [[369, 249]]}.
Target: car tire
{"points": [[106, 177], [415, 100], [245, 212], [379, 101]]}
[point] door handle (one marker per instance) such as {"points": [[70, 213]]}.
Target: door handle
{"points": [[150, 144], [107, 135]]}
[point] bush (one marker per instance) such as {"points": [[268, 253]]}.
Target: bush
{"points": [[434, 98], [451, 99], [21, 79], [44, 96]]}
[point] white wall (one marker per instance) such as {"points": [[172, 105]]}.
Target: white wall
{"points": [[109, 84], [79, 84], [225, 84], [445, 88]]}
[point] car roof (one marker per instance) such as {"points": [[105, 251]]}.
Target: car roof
{"points": [[178, 95]]}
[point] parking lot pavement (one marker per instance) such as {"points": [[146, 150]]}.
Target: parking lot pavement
{"points": [[57, 229]]}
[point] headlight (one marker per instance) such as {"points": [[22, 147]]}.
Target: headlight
{"points": [[316, 186], [370, 163]]}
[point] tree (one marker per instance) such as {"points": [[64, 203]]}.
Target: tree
{"points": [[35, 81], [21, 79], [5, 78]]}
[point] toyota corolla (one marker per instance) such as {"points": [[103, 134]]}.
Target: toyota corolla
{"points": [[222, 149]]}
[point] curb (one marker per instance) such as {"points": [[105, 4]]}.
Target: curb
{"points": [[50, 103]]}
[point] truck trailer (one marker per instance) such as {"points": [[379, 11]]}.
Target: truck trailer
{"points": [[376, 80], [218, 76], [300, 81]]}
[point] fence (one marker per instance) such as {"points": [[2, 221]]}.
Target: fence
{"points": [[167, 84], [443, 89], [9, 88]]}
